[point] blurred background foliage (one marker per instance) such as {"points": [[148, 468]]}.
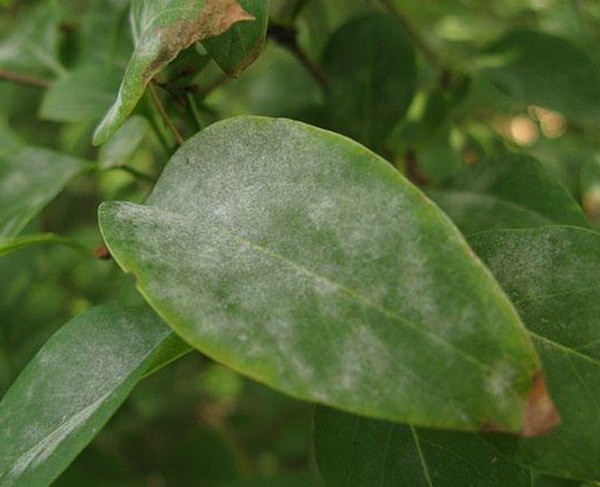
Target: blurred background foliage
{"points": [[196, 419]]}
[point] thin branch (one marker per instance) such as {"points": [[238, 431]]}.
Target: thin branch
{"points": [[287, 37], [17, 243], [24, 79], [163, 113], [421, 44]]}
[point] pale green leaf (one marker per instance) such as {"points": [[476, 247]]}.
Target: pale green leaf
{"points": [[371, 74], [161, 29], [303, 260], [239, 47], [81, 95], [546, 70], [74, 385], [122, 145], [508, 191], [29, 180]]}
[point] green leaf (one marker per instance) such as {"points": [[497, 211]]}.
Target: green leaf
{"points": [[546, 70], [122, 145], [351, 450], [29, 180], [551, 274], [301, 259], [81, 95], [74, 385], [509, 191], [371, 71], [9, 141], [33, 46], [161, 29], [239, 47]]}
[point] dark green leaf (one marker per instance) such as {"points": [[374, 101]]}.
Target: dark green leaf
{"points": [[371, 71], [74, 385], [303, 260], [29, 180], [510, 191], [161, 29], [351, 450], [546, 70], [239, 47]]}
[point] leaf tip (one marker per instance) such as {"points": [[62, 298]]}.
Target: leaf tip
{"points": [[539, 414]]}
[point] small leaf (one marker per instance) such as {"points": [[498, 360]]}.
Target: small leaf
{"points": [[81, 95], [510, 191], [74, 385], [546, 70], [122, 145], [29, 180], [371, 71], [239, 47], [303, 260], [552, 276], [161, 29]]}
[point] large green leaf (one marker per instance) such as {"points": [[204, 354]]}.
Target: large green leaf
{"points": [[123, 144], [237, 48], [552, 276], [29, 180], [74, 385], [546, 70], [508, 191], [371, 71], [303, 260], [161, 29], [352, 450]]}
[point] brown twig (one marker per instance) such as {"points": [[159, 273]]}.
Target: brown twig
{"points": [[163, 113], [24, 79]]}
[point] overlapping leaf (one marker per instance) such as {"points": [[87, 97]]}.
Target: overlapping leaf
{"points": [[161, 29], [509, 191], [74, 385], [239, 47], [29, 180], [371, 76], [303, 260], [552, 276], [546, 70]]}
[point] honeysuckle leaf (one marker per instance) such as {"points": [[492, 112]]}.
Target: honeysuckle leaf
{"points": [[546, 70], [161, 29], [239, 47], [303, 260], [29, 180], [551, 274], [508, 191], [73, 386], [371, 78]]}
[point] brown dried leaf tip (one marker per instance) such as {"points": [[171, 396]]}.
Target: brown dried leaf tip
{"points": [[539, 415]]}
